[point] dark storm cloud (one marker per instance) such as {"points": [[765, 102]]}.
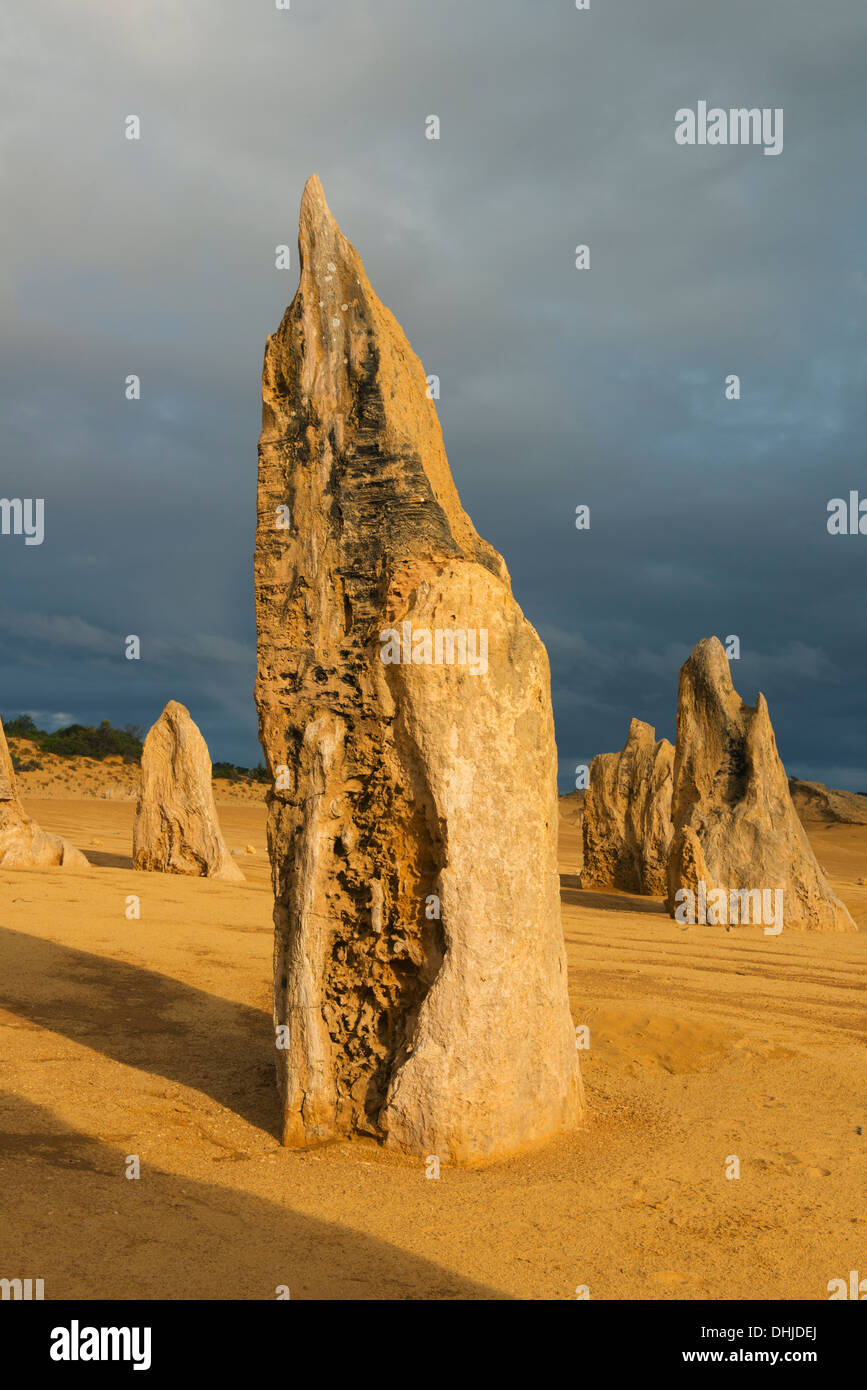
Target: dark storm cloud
{"points": [[558, 386]]}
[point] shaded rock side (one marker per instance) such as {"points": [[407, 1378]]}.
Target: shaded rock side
{"points": [[814, 802], [420, 972], [734, 821], [176, 828], [627, 815], [23, 844]]}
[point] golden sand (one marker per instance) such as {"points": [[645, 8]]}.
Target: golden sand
{"points": [[153, 1038]]}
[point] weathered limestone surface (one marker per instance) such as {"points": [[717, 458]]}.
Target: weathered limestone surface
{"points": [[814, 801], [420, 970], [23, 845], [176, 828], [734, 822], [627, 815]]}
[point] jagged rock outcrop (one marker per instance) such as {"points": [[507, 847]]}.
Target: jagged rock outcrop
{"points": [[627, 815], [735, 827], [23, 845], [814, 802], [405, 714], [176, 828]]}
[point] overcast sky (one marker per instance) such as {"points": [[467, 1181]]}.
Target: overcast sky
{"points": [[603, 386]]}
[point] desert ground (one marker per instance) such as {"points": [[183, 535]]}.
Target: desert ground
{"points": [[48, 776], [153, 1038]]}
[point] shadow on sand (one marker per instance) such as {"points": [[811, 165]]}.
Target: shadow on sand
{"points": [[103, 860], [571, 893], [146, 1020], [72, 1218]]}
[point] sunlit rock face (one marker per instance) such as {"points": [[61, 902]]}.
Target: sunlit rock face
{"points": [[735, 826], [176, 828], [405, 713], [627, 815]]}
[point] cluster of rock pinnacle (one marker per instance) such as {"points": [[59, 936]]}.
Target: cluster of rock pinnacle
{"points": [[716, 810]]}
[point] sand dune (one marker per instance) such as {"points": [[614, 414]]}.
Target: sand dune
{"points": [[152, 1037], [46, 775]]}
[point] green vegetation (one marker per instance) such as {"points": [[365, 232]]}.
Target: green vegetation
{"points": [[242, 774], [80, 740], [104, 741], [25, 764]]}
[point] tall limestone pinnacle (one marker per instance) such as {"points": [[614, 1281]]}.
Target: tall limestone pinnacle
{"points": [[735, 825], [405, 714]]}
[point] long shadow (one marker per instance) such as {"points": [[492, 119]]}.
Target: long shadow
{"points": [[73, 1219], [147, 1020], [606, 902], [103, 859]]}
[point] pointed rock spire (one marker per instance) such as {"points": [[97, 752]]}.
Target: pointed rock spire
{"points": [[735, 827], [405, 713]]}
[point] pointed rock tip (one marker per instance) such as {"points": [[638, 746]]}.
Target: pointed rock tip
{"points": [[313, 197], [708, 647], [762, 709], [640, 732], [175, 710], [315, 215], [709, 656]]}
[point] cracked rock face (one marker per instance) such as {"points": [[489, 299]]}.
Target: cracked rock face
{"points": [[735, 825], [627, 815], [405, 714], [23, 845], [176, 829]]}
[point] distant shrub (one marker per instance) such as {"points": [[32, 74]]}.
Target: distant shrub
{"points": [[21, 726], [80, 740], [104, 741], [83, 741], [241, 774], [25, 764]]}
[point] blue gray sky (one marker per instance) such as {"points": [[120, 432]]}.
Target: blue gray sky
{"points": [[558, 387]]}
